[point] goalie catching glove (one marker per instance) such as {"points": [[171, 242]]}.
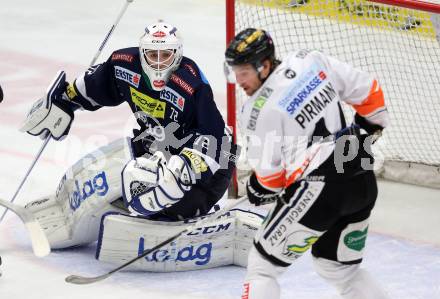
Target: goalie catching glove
{"points": [[151, 185], [53, 113]]}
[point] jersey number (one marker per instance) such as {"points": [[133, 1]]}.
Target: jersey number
{"points": [[174, 114]]}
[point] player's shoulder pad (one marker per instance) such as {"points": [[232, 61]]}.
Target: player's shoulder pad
{"points": [[125, 56], [302, 53], [188, 76]]}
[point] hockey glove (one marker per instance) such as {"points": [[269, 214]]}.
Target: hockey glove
{"points": [[374, 130], [52, 114], [368, 126], [151, 185], [257, 194]]}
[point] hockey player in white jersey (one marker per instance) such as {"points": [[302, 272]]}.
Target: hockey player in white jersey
{"points": [[304, 158]]}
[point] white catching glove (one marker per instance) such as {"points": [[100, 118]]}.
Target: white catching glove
{"points": [[51, 114], [151, 185]]}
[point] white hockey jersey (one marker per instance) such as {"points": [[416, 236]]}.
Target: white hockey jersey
{"points": [[300, 100]]}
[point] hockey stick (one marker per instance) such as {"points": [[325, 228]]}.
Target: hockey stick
{"points": [[46, 141], [76, 279], [40, 244], [104, 42]]}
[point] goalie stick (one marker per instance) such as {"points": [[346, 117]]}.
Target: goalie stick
{"points": [[76, 279], [40, 244], [46, 141]]}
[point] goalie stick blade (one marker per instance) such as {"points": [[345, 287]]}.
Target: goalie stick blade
{"points": [[40, 244], [75, 279]]}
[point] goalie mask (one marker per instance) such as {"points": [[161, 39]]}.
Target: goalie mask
{"points": [[160, 53]]}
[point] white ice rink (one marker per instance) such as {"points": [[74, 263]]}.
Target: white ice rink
{"points": [[37, 38]]}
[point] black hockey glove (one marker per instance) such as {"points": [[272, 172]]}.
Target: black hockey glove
{"points": [[257, 194], [373, 130], [366, 125]]}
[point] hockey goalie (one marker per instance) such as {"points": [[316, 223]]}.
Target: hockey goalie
{"points": [[136, 192]]}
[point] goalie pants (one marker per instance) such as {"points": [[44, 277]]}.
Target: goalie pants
{"points": [[331, 218]]}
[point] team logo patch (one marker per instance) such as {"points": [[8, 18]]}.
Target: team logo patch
{"points": [[173, 97], [266, 92], [249, 40], [127, 76], [199, 254], [356, 239], [150, 106], [123, 57], [92, 69], [290, 74], [298, 243], [302, 53], [303, 89], [197, 163], [303, 93], [71, 92], [159, 34], [190, 69], [83, 190], [182, 83], [258, 105], [303, 247]]}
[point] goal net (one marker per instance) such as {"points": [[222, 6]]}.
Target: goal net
{"points": [[393, 40]]}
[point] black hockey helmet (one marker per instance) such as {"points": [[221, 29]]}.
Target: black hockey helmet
{"points": [[250, 46]]}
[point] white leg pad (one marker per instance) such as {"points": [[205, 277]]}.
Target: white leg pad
{"points": [[223, 241], [49, 213], [71, 216], [350, 281]]}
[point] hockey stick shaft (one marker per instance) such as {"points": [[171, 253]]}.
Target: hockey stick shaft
{"points": [[115, 23], [27, 174], [75, 279], [40, 244], [43, 146]]}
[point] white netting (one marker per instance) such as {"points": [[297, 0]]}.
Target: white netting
{"points": [[397, 45]]}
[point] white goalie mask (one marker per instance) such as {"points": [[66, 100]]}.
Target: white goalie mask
{"points": [[160, 53]]}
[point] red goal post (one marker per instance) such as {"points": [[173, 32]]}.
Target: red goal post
{"points": [[397, 41]]}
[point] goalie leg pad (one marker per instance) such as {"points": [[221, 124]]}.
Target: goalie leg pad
{"points": [[224, 241], [72, 215], [51, 217]]}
